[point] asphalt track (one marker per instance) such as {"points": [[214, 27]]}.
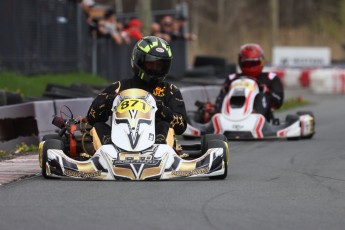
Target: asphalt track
{"points": [[271, 185]]}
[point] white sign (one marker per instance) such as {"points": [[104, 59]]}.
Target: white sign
{"points": [[301, 56]]}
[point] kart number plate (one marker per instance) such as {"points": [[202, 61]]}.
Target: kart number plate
{"points": [[242, 84], [133, 104]]}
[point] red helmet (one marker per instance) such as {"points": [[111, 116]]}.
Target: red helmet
{"points": [[251, 59]]}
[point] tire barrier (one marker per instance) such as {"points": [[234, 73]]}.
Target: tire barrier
{"points": [[29, 122], [56, 91], [206, 66], [9, 98], [319, 80]]}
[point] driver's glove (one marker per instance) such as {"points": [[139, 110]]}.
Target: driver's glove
{"points": [[163, 111], [160, 106]]}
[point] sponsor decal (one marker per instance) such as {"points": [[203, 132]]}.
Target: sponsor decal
{"points": [[160, 50], [238, 126], [159, 92], [82, 174], [151, 137], [243, 84], [138, 166], [190, 173], [134, 159]]}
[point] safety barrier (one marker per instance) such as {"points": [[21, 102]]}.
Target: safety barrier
{"points": [[293, 77], [29, 122], [328, 81], [319, 80]]}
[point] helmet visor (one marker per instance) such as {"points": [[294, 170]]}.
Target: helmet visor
{"points": [[248, 63], [155, 66]]}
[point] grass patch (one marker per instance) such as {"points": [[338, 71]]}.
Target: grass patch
{"points": [[34, 86], [3, 153], [24, 148], [293, 103], [20, 150]]}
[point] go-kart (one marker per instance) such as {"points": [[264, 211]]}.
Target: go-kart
{"points": [[133, 153], [238, 119]]}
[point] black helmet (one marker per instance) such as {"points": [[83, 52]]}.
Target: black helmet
{"points": [[151, 59]]}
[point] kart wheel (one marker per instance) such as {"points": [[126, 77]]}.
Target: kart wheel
{"points": [[293, 138], [49, 144], [308, 137], [189, 137], [51, 136], [225, 147], [300, 113], [211, 137]]}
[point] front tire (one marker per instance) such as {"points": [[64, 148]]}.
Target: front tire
{"points": [[49, 144], [211, 137], [225, 147], [51, 136]]}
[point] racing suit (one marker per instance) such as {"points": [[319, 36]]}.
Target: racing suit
{"points": [[271, 95], [171, 113]]}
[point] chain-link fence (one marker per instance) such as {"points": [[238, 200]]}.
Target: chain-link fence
{"points": [[39, 36], [52, 36]]}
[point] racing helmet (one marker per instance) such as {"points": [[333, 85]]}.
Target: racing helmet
{"points": [[151, 59], [251, 59]]}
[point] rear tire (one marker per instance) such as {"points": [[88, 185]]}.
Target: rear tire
{"points": [[190, 137], [49, 144], [225, 147]]}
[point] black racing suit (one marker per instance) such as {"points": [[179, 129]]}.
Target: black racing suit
{"points": [[171, 111], [271, 98]]}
